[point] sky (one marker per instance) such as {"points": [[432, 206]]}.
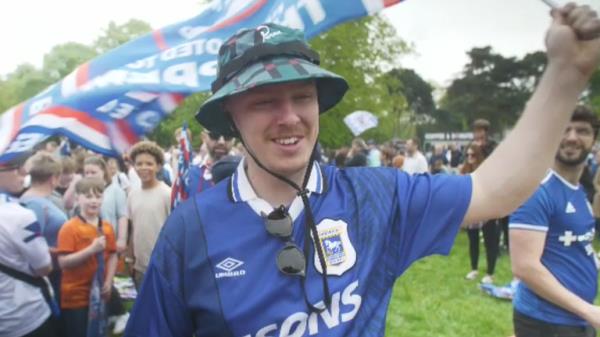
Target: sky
{"points": [[442, 31]]}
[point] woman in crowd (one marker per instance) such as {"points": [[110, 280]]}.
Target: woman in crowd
{"points": [[474, 157]]}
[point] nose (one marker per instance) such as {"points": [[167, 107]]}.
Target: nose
{"points": [[571, 134], [287, 112]]}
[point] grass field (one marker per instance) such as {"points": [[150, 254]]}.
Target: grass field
{"points": [[432, 299]]}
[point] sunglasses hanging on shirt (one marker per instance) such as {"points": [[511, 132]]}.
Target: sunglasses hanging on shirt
{"points": [[290, 252], [291, 260]]}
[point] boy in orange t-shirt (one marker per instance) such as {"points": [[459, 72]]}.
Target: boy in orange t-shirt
{"points": [[79, 242]]}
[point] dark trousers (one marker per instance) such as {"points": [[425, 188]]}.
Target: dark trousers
{"points": [[504, 224], [526, 326], [491, 242], [74, 322], [115, 307], [48, 329]]}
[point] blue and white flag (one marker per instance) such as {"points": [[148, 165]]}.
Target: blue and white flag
{"points": [[107, 104], [179, 190]]}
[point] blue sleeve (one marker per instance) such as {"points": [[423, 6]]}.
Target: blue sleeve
{"points": [[39, 212], [534, 214], [193, 180], [160, 309], [429, 211], [179, 295]]}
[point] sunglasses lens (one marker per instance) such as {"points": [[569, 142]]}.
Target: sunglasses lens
{"points": [[290, 260], [216, 136], [279, 223]]}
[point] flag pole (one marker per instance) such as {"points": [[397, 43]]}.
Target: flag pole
{"points": [[552, 4]]}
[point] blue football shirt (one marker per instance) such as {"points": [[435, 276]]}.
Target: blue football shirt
{"points": [[50, 217], [200, 179], [213, 270], [562, 211]]}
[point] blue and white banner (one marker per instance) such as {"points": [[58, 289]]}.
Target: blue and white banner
{"points": [[108, 103]]}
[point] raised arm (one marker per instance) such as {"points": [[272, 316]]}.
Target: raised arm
{"points": [[515, 168]]}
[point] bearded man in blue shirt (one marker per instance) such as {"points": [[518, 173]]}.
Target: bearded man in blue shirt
{"points": [[551, 244]]}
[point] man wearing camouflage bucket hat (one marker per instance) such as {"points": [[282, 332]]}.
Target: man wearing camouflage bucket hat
{"points": [[287, 247]]}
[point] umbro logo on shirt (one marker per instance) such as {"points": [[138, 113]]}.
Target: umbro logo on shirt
{"points": [[570, 208], [229, 264], [230, 268]]}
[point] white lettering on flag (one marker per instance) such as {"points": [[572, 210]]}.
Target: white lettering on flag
{"points": [[171, 63]]}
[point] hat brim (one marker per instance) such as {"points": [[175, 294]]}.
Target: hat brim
{"points": [[330, 87], [15, 161]]}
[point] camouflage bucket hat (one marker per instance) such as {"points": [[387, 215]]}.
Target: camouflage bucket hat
{"points": [[267, 54]]}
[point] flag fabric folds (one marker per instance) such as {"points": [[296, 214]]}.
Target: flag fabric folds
{"points": [[179, 190], [108, 103]]}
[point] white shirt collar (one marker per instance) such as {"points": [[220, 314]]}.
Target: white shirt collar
{"points": [[242, 191], [563, 180]]}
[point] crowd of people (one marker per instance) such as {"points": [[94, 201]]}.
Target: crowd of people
{"points": [[131, 197], [267, 207]]}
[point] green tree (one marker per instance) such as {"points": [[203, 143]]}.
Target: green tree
{"points": [[593, 94], [361, 51], [493, 87], [417, 91], [420, 109], [23, 83], [116, 35], [64, 58], [163, 134]]}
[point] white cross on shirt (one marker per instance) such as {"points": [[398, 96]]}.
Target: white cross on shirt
{"points": [[568, 238]]}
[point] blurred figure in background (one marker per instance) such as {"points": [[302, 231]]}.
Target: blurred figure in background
{"points": [[374, 157], [148, 205], [415, 161], [45, 171], [357, 156], [24, 257], [398, 161], [474, 157]]}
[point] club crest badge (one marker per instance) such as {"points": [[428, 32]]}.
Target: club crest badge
{"points": [[337, 248]]}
